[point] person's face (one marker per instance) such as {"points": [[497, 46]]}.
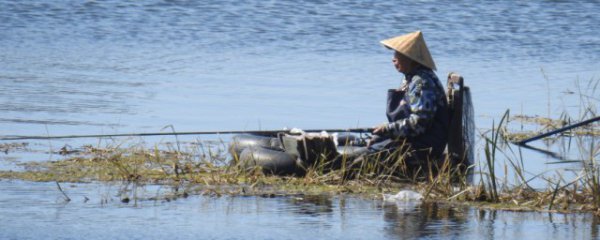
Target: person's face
{"points": [[401, 63]]}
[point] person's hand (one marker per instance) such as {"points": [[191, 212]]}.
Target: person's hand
{"points": [[381, 129], [374, 139], [378, 134]]}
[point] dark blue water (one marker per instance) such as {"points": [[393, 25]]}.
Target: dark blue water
{"points": [[108, 66], [93, 67]]}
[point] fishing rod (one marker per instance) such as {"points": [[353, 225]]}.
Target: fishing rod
{"points": [[259, 132], [523, 142]]}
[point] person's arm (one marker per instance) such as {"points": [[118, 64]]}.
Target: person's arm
{"points": [[422, 102]]}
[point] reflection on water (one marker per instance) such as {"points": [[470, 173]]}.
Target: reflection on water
{"points": [[311, 205], [97, 210], [415, 220]]}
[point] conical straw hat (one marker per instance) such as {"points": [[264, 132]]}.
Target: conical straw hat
{"points": [[413, 46]]}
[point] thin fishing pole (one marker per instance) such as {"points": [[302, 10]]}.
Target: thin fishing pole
{"points": [[17, 137]]}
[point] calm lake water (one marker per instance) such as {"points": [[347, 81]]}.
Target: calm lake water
{"points": [[93, 67], [43, 214]]}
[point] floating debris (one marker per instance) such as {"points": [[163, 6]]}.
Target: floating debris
{"points": [[404, 195]]}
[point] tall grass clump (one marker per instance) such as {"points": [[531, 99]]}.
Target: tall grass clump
{"points": [[491, 146]]}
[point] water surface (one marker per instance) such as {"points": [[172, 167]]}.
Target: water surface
{"points": [[104, 216], [92, 67]]}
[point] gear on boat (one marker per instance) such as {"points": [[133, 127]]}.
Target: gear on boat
{"points": [[292, 154]]}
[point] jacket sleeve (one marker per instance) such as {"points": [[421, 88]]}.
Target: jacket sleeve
{"points": [[422, 103]]}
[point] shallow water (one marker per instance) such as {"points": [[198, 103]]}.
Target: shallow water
{"points": [[93, 67], [104, 216]]}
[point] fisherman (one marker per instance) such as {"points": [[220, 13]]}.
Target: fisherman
{"points": [[418, 110]]}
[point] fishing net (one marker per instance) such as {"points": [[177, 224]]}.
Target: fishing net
{"points": [[461, 134], [468, 125]]}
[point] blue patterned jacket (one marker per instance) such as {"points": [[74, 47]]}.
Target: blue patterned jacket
{"points": [[418, 111]]}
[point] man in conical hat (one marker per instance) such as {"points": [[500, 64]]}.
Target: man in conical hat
{"points": [[418, 110]]}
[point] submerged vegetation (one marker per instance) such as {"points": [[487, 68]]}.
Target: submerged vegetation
{"points": [[205, 167]]}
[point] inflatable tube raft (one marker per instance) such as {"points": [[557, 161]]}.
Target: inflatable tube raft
{"points": [[352, 151], [271, 161], [269, 154], [240, 142]]}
